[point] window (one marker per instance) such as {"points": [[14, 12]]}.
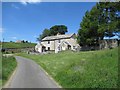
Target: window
{"points": [[58, 41], [48, 48], [48, 42], [59, 48], [73, 47], [114, 41]]}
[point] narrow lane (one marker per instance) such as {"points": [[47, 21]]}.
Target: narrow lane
{"points": [[30, 75]]}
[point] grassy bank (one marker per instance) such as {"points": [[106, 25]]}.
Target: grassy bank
{"points": [[81, 70], [8, 66], [0, 83], [0, 70], [17, 45]]}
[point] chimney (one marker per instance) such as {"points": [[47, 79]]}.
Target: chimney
{"points": [[58, 34]]}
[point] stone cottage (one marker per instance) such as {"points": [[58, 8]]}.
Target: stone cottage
{"points": [[58, 43]]}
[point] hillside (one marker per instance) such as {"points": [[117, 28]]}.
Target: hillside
{"points": [[89, 69], [17, 45]]}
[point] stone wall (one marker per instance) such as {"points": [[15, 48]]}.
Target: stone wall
{"points": [[17, 50], [104, 44], [108, 43]]}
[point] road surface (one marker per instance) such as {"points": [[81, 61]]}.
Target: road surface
{"points": [[30, 75]]}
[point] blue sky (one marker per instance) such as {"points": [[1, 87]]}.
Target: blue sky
{"points": [[26, 21]]}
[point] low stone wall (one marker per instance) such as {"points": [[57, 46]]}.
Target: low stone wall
{"points": [[89, 48], [104, 44], [17, 50]]}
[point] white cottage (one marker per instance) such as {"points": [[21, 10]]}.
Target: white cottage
{"points": [[58, 43]]}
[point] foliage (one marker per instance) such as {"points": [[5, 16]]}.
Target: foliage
{"points": [[46, 32], [110, 17], [8, 66], [61, 29], [102, 20], [91, 69], [54, 30]]}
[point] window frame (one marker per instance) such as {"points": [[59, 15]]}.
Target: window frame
{"points": [[48, 42]]}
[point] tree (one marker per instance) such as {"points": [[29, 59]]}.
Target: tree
{"points": [[23, 41], [46, 32], [102, 20], [26, 41], [87, 35], [2, 50], [108, 18], [11, 41], [54, 30]]}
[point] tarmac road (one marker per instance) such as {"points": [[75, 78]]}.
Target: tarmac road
{"points": [[30, 75]]}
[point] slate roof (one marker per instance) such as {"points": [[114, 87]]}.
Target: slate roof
{"points": [[57, 37]]}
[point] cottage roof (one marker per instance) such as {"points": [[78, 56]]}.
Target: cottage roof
{"points": [[57, 37]]}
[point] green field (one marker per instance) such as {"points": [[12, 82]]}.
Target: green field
{"points": [[17, 45], [8, 66], [90, 69]]}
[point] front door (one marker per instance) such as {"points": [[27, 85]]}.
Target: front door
{"points": [[69, 47], [43, 48]]}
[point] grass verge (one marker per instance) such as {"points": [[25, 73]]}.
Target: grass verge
{"points": [[0, 70], [8, 66], [0, 83], [91, 69]]}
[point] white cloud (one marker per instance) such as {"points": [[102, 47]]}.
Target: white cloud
{"points": [[14, 6], [2, 30], [25, 2]]}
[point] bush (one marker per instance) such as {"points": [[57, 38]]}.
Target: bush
{"points": [[2, 50]]}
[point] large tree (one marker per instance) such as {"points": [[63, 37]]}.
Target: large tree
{"points": [[109, 18], [87, 34], [54, 30], [102, 20], [46, 32], [61, 29]]}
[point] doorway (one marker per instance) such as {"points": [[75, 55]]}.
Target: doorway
{"points": [[69, 47], [43, 48]]}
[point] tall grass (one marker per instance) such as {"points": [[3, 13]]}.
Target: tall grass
{"points": [[0, 70], [8, 66], [91, 69]]}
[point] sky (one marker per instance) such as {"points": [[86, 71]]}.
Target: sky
{"points": [[26, 21]]}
